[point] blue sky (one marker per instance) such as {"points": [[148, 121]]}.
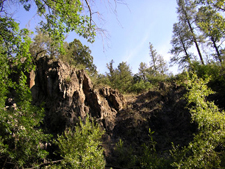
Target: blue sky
{"points": [[129, 31]]}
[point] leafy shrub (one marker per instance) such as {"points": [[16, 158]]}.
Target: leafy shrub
{"points": [[140, 86], [150, 159], [154, 80], [214, 71], [81, 148], [125, 155], [202, 152], [21, 137]]}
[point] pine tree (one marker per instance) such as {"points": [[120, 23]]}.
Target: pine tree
{"points": [[157, 63], [186, 13], [153, 55], [180, 44], [142, 70], [211, 23]]}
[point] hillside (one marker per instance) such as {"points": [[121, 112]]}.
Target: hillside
{"points": [[69, 94], [98, 126]]}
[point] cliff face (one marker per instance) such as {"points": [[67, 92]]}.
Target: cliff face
{"points": [[68, 94]]}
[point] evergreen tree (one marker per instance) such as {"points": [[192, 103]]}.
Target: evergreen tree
{"points": [[125, 78], [217, 4], [121, 77], [79, 55], [112, 73], [181, 42], [211, 23], [157, 64], [142, 70], [186, 13], [162, 66], [153, 55]]}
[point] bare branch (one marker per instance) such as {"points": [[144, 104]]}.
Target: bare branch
{"points": [[89, 8]]}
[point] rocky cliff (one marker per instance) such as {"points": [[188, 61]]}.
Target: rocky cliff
{"points": [[68, 94]]}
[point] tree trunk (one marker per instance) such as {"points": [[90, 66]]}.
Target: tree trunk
{"points": [[193, 35], [185, 51], [195, 41], [217, 50]]}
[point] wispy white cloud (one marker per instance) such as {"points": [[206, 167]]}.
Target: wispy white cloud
{"points": [[135, 49]]}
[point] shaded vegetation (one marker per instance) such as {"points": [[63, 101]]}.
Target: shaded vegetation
{"points": [[174, 122]]}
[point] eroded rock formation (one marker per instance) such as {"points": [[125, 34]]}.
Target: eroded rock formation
{"points": [[68, 94]]}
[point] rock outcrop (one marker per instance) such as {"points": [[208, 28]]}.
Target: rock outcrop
{"points": [[68, 94]]}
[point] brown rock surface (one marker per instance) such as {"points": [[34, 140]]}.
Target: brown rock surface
{"points": [[69, 94]]}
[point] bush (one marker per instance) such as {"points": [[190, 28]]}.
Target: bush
{"points": [[150, 159], [206, 149], [125, 155], [214, 71], [140, 86], [81, 148]]}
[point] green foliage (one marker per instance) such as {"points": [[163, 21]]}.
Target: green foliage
{"points": [[201, 22], [205, 71], [140, 87], [43, 45], [150, 159], [214, 71], [79, 55], [217, 4], [125, 155], [186, 14], [145, 156], [181, 42], [120, 78], [157, 64], [202, 151], [20, 136], [211, 23], [154, 80], [81, 148], [62, 17]]}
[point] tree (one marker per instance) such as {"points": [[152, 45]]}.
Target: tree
{"points": [[124, 75], [153, 56], [60, 17], [43, 45], [162, 66], [112, 73], [180, 44], [186, 13], [20, 134], [142, 70], [79, 56], [211, 23], [157, 64], [121, 77], [217, 4]]}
